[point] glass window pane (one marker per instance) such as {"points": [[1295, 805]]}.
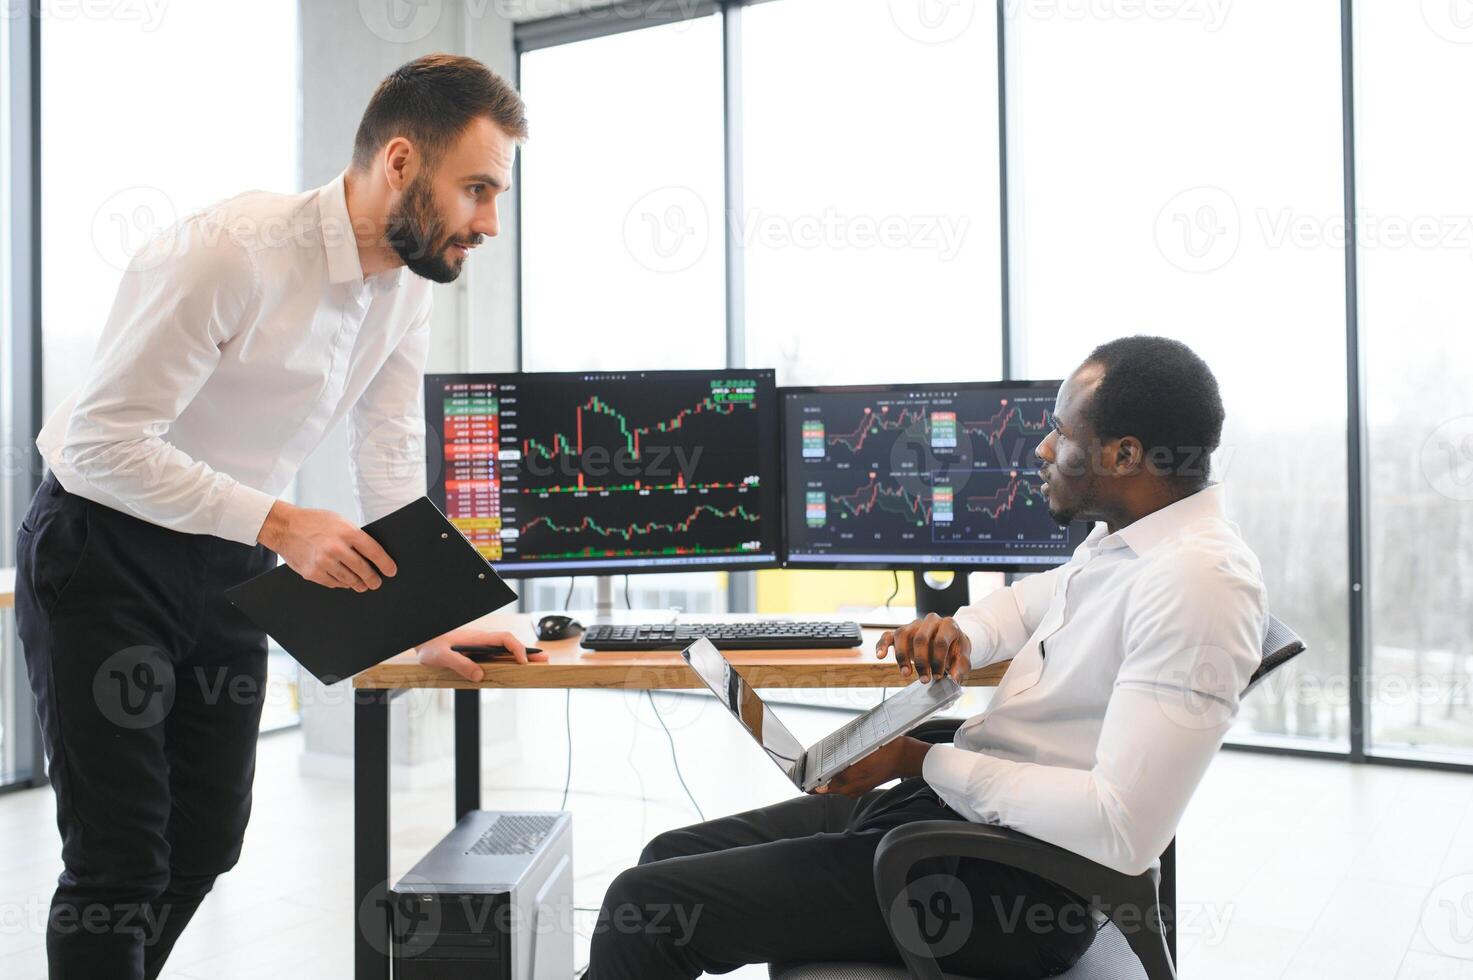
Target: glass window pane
{"points": [[871, 194], [1414, 153], [622, 197], [1181, 175], [185, 118]]}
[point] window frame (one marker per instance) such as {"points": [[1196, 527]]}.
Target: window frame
{"points": [[23, 763]]}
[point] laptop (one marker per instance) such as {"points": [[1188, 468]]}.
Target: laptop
{"points": [[809, 768]]}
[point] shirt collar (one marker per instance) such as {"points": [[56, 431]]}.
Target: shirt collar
{"points": [[343, 265], [1145, 533]]}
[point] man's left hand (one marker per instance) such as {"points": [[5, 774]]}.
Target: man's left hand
{"points": [[900, 759], [437, 652]]}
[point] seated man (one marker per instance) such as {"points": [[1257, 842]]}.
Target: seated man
{"points": [[1126, 667]]}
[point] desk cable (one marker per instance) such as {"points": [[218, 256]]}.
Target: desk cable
{"points": [[568, 710]]}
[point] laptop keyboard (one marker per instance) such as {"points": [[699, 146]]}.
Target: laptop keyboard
{"points": [[860, 735]]}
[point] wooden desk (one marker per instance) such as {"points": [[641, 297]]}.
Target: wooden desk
{"points": [[7, 588], [568, 666]]}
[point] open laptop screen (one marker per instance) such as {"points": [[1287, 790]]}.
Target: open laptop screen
{"points": [[746, 707]]}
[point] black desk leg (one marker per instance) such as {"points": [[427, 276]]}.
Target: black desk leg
{"points": [[467, 752], [1168, 899], [371, 835]]}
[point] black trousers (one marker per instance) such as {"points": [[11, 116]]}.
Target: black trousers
{"points": [[794, 883], [149, 687]]}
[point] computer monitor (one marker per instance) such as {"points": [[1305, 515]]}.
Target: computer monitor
{"points": [[610, 471], [920, 476]]}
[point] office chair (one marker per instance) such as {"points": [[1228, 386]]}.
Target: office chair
{"points": [[1145, 949]]}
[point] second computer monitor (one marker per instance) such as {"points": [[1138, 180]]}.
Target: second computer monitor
{"points": [[918, 476], [603, 472]]}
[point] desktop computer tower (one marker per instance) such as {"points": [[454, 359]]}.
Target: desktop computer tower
{"points": [[492, 901]]}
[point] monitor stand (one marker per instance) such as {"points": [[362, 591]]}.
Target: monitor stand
{"points": [[943, 600], [603, 599]]}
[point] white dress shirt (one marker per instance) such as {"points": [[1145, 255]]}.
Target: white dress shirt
{"points": [[1127, 666], [237, 340]]}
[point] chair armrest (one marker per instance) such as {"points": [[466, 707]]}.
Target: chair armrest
{"points": [[1129, 900], [937, 731]]}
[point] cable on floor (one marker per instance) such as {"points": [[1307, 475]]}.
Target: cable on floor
{"points": [[675, 758]]}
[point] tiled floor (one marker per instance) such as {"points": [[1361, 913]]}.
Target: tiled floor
{"points": [[1289, 868]]}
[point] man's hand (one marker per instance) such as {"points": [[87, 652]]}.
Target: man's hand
{"points": [[323, 547], [437, 652], [900, 759], [933, 647]]}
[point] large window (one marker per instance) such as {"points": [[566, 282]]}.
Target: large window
{"points": [[1181, 176], [1415, 243], [870, 214], [150, 113], [622, 257], [1175, 169]]}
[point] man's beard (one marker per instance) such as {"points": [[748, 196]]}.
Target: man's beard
{"points": [[417, 235]]}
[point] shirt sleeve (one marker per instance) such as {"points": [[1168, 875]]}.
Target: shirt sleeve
{"points": [[1192, 642], [386, 428], [183, 297], [1000, 622]]}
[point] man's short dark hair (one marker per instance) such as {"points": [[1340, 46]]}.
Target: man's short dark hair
{"points": [[431, 100], [1159, 391]]}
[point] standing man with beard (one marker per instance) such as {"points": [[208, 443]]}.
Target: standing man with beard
{"points": [[237, 340]]}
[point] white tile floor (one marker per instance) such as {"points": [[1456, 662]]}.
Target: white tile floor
{"points": [[1289, 868]]}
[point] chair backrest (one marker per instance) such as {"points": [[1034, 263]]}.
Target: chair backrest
{"points": [[1280, 645]]}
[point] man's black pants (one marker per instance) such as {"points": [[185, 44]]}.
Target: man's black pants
{"points": [[149, 687], [794, 883]]}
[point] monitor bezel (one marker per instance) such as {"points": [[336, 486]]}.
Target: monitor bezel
{"points": [[766, 378], [1078, 529]]}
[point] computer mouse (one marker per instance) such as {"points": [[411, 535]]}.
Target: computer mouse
{"points": [[558, 627]]}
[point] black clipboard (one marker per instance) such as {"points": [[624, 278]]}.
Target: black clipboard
{"points": [[442, 583]]}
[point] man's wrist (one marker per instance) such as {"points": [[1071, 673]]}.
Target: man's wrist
{"points": [[274, 526], [913, 756]]}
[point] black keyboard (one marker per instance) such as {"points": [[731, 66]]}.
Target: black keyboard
{"points": [[767, 635]]}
